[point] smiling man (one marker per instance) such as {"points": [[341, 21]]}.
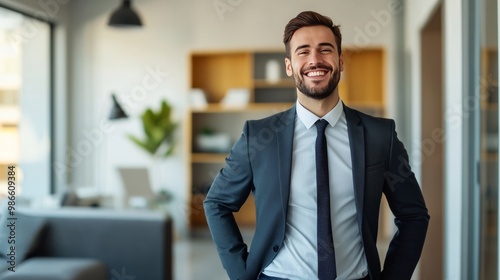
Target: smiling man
{"points": [[318, 180]]}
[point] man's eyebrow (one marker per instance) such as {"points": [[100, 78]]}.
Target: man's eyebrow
{"points": [[302, 47], [327, 44]]}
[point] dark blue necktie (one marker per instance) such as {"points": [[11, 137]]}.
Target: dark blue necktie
{"points": [[326, 252]]}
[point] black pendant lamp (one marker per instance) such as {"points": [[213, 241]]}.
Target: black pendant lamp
{"points": [[125, 16], [117, 111]]}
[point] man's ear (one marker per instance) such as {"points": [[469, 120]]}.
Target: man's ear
{"points": [[341, 62], [288, 66]]}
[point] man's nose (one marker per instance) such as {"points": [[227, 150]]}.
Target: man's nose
{"points": [[315, 58]]}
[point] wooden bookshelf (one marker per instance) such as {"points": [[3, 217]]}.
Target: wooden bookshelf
{"points": [[361, 86]]}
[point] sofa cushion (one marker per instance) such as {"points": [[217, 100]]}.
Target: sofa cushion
{"points": [[20, 231], [131, 243], [58, 269]]}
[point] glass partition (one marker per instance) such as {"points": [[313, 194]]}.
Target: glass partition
{"points": [[488, 250]]}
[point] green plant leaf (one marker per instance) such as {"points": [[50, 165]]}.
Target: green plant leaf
{"points": [[144, 145], [158, 129]]}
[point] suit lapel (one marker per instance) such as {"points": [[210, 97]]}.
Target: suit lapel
{"points": [[284, 129], [357, 144]]}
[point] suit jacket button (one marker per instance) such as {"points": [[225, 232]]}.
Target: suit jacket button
{"points": [[275, 248]]}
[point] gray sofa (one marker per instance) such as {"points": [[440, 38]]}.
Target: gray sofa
{"points": [[87, 243]]}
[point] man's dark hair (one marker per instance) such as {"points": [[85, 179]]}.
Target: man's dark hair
{"points": [[310, 18]]}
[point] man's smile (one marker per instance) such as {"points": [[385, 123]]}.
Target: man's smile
{"points": [[315, 73]]}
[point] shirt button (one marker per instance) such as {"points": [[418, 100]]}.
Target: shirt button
{"points": [[275, 248]]}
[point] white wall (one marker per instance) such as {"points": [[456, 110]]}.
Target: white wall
{"points": [[454, 148], [105, 60], [416, 16]]}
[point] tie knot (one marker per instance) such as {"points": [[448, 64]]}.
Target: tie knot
{"points": [[321, 126]]}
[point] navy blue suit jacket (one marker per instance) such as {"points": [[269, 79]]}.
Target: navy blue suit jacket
{"points": [[260, 162]]}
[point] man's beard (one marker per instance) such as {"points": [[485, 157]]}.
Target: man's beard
{"points": [[317, 93]]}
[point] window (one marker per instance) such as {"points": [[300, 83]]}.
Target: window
{"points": [[26, 101]]}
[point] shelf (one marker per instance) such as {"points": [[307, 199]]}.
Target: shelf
{"points": [[228, 70], [253, 107], [489, 156], [8, 125], [363, 77], [359, 104], [283, 83], [371, 108], [245, 217], [208, 157], [490, 106]]}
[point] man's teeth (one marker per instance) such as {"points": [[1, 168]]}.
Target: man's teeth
{"points": [[315, 73]]}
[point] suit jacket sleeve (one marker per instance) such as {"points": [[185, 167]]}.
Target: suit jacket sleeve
{"points": [[411, 218], [227, 194]]}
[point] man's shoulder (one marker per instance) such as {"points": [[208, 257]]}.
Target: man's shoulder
{"points": [[366, 119], [275, 121]]}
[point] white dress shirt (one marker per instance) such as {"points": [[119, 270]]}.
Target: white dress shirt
{"points": [[297, 258]]}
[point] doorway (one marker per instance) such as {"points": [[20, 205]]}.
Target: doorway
{"points": [[432, 161]]}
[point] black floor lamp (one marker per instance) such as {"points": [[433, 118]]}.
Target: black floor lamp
{"points": [[116, 113]]}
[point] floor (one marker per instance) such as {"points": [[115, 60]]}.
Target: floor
{"points": [[195, 257]]}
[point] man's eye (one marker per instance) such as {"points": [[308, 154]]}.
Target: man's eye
{"points": [[326, 51]]}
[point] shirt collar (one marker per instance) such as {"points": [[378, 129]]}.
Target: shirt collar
{"points": [[309, 119]]}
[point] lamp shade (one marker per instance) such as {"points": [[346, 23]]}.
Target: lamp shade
{"points": [[125, 16], [117, 110]]}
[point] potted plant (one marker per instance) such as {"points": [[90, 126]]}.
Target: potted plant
{"points": [[158, 141], [158, 129]]}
